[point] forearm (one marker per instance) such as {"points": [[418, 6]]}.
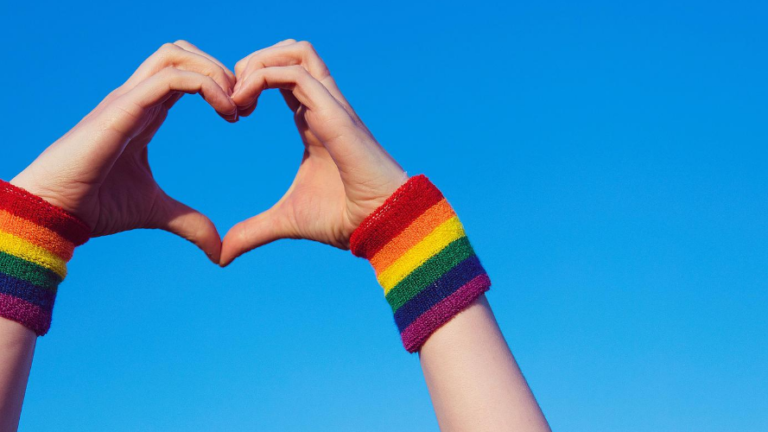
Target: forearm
{"points": [[473, 379], [17, 346], [435, 285]]}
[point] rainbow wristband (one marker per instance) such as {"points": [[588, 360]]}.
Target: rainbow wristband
{"points": [[37, 240], [422, 258]]}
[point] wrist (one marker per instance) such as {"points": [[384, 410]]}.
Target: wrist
{"points": [[373, 200], [26, 181], [37, 239], [422, 258]]}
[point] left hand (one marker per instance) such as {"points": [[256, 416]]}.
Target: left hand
{"points": [[99, 171]]}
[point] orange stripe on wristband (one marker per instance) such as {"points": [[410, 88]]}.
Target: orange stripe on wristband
{"points": [[412, 235], [36, 234]]}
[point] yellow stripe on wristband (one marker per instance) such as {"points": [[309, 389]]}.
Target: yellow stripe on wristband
{"points": [[23, 249], [433, 243]]}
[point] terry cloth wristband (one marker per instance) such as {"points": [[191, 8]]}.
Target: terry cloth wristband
{"points": [[422, 258], [37, 240]]}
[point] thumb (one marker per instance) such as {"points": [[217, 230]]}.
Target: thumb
{"points": [[252, 233], [190, 224]]}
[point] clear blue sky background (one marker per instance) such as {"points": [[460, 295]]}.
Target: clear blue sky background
{"points": [[608, 160]]}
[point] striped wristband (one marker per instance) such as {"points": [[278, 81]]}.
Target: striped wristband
{"points": [[37, 240], [422, 258]]}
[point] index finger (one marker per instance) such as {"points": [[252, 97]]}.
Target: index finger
{"points": [[192, 48]]}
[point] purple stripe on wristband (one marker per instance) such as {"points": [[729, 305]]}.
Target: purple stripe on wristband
{"points": [[27, 314], [442, 288], [423, 326]]}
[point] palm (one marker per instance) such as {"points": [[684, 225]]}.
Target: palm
{"points": [[311, 205], [314, 207], [129, 198], [323, 203]]}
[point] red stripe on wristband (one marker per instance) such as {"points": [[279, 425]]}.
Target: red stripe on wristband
{"points": [[35, 209], [412, 199]]}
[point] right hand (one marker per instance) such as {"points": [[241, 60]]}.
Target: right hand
{"points": [[99, 170], [344, 174]]}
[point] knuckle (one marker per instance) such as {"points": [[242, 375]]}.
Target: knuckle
{"points": [[166, 53], [301, 75], [241, 66], [211, 84], [215, 71], [208, 81], [241, 63], [167, 48], [289, 41], [182, 42], [298, 70], [306, 46], [222, 76], [324, 73]]}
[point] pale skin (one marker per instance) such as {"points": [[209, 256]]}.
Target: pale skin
{"points": [[100, 172]]}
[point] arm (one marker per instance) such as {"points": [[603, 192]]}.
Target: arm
{"points": [[473, 378], [345, 176], [96, 178], [17, 345]]}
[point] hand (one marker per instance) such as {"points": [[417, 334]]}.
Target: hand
{"points": [[344, 174], [99, 170]]}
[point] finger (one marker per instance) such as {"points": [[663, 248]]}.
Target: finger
{"points": [[171, 55], [191, 225], [164, 85], [290, 54], [253, 233], [329, 120], [245, 112], [307, 90], [299, 53], [240, 68], [192, 48], [243, 63]]}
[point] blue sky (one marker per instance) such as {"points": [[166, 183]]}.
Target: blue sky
{"points": [[607, 158]]}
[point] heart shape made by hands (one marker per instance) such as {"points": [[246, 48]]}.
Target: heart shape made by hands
{"points": [[100, 169]]}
